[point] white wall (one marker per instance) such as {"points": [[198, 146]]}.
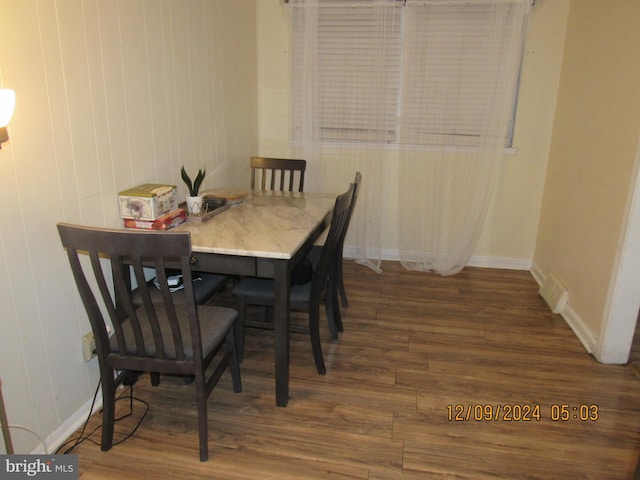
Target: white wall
{"points": [[110, 94]]}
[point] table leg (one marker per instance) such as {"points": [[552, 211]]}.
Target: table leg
{"points": [[281, 320]]}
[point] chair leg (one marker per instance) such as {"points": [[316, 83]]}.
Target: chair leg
{"points": [[108, 410], [343, 293], [155, 379], [337, 314], [239, 328], [333, 310], [266, 313], [314, 336], [234, 364], [334, 315], [203, 430]]}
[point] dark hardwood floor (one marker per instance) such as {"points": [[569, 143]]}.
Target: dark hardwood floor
{"points": [[463, 377]]}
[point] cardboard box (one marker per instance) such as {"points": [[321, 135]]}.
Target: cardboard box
{"points": [[165, 222], [148, 201]]}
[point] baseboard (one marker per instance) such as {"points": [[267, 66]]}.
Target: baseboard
{"points": [[570, 316], [70, 426], [537, 274], [475, 261], [581, 331], [503, 263]]}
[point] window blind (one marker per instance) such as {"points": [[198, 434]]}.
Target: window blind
{"points": [[421, 73], [357, 68], [452, 63]]}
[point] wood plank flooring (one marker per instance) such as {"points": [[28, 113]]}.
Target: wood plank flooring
{"points": [[415, 346]]}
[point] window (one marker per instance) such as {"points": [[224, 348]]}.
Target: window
{"points": [[357, 69], [415, 72]]}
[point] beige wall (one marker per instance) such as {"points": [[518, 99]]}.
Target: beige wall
{"points": [[591, 162], [509, 236], [110, 94]]}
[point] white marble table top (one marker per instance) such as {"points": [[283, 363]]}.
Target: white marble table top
{"points": [[267, 225]]}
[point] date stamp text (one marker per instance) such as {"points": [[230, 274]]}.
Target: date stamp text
{"points": [[516, 412]]}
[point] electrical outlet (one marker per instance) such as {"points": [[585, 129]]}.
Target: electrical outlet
{"points": [[88, 346]]}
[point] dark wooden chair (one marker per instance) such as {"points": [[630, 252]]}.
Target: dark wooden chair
{"points": [[335, 321], [307, 296], [339, 277], [176, 338], [276, 173], [269, 173]]}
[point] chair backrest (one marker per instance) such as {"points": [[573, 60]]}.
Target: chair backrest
{"points": [[148, 337], [331, 247], [356, 190], [277, 173]]}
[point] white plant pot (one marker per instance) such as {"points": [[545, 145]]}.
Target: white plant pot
{"points": [[194, 205]]}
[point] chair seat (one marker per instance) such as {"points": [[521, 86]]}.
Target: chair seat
{"points": [[205, 286], [260, 290], [214, 324]]}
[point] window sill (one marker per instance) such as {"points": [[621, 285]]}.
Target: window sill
{"points": [[397, 147]]}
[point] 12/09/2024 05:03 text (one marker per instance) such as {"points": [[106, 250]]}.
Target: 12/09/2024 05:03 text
{"points": [[515, 412]]}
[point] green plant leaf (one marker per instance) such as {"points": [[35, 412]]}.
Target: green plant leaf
{"points": [[198, 180], [186, 179], [194, 188]]}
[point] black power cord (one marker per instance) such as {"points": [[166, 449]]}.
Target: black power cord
{"points": [[81, 438]]}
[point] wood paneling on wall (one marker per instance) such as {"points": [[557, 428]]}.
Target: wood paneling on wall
{"points": [[110, 94]]}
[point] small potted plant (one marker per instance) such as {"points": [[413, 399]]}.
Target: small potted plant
{"points": [[194, 199]]}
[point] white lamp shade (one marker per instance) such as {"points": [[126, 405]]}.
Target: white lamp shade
{"points": [[7, 104]]}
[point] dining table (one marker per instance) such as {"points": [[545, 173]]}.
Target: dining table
{"points": [[264, 235]]}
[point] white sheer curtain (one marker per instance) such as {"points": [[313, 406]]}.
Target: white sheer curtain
{"points": [[418, 92], [461, 66], [344, 103]]}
